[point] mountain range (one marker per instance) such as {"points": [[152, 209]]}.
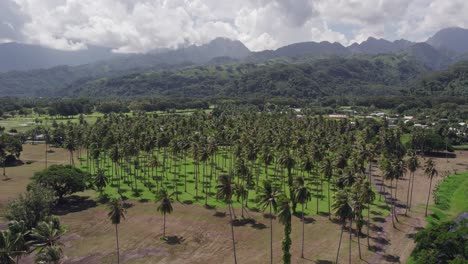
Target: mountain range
{"points": [[33, 70], [445, 46]]}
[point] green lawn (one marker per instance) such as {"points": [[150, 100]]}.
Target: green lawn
{"points": [[147, 186], [452, 198], [461, 147]]}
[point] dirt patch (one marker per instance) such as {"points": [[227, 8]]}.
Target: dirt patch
{"points": [[401, 242]]}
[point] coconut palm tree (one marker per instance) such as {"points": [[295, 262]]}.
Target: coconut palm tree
{"points": [[224, 192], [284, 217], [50, 255], [327, 170], [46, 234], [413, 164], [116, 213], [302, 196], [367, 195], [100, 180], [431, 172], [9, 247], [343, 210], [287, 161], [164, 207], [20, 231], [242, 194], [267, 199]]}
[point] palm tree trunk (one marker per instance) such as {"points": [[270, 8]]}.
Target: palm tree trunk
{"points": [[164, 225], [117, 242], [271, 236], [359, 238], [395, 201], [302, 252], [329, 211], [339, 243], [368, 224], [428, 196], [411, 193], [350, 238], [408, 195], [232, 234]]}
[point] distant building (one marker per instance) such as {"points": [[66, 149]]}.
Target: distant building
{"points": [[337, 116]]}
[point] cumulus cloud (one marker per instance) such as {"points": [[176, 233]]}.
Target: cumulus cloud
{"points": [[143, 25]]}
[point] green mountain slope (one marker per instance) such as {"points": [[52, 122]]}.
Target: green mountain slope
{"points": [[360, 75]]}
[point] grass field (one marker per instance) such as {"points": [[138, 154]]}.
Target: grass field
{"points": [[182, 183], [25, 123], [452, 198]]}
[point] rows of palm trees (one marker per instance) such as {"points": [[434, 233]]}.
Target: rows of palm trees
{"points": [[276, 160]]}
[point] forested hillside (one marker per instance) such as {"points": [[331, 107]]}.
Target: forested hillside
{"points": [[375, 75]]}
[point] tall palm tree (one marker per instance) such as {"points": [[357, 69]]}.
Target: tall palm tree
{"points": [[116, 213], [413, 164], [303, 195], [284, 217], [367, 195], [327, 170], [267, 199], [224, 192], [287, 161], [164, 207], [101, 180], [242, 193], [343, 210], [431, 172]]}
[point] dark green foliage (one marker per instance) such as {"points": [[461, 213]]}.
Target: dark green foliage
{"points": [[384, 74], [450, 82], [62, 179], [32, 207], [442, 243]]}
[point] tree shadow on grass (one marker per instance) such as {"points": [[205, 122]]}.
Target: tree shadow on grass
{"points": [[378, 219], [174, 240], [219, 214], [391, 258], [380, 240], [258, 226], [375, 212], [321, 261], [375, 248], [376, 228], [73, 204]]}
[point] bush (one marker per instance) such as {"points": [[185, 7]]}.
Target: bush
{"points": [[31, 207]]}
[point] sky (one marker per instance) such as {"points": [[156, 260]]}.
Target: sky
{"points": [[130, 26]]}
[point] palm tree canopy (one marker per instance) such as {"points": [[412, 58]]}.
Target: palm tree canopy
{"points": [[224, 188], [268, 195], [284, 215], [302, 193], [117, 211], [165, 203], [342, 205], [429, 168]]}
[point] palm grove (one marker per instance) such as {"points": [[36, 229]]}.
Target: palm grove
{"points": [[274, 161]]}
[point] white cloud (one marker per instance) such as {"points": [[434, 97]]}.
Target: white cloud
{"points": [[142, 25]]}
